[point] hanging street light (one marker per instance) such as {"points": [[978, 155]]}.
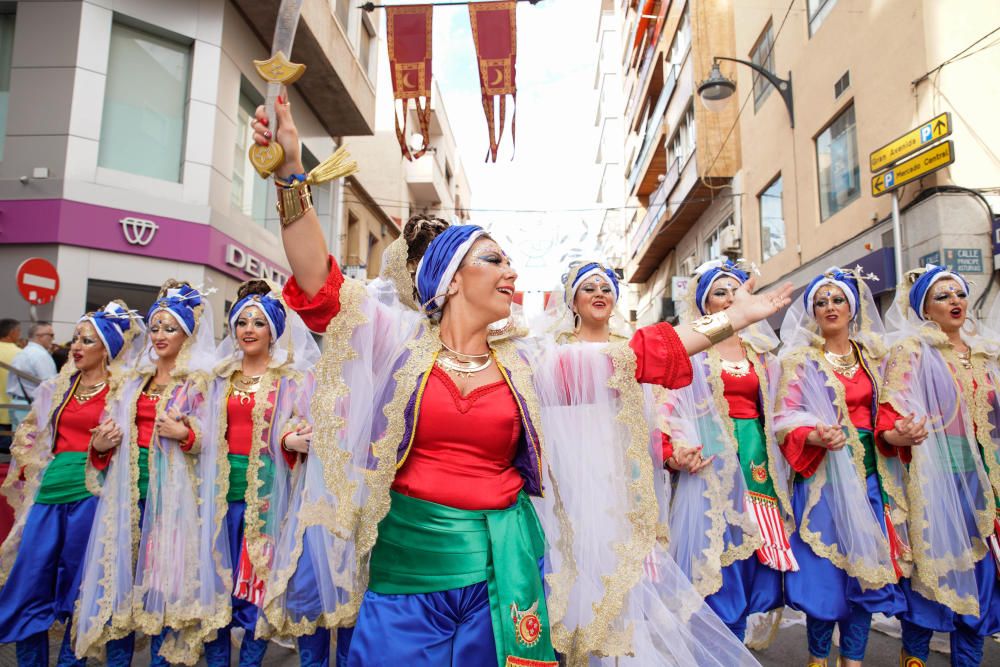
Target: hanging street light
{"points": [[716, 89]]}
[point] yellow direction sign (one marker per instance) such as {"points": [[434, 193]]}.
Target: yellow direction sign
{"points": [[916, 139], [917, 166]]}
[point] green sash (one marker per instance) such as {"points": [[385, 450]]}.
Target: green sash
{"points": [[65, 479], [424, 547], [752, 454], [238, 464], [143, 472]]}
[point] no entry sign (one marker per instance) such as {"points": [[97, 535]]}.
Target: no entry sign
{"points": [[37, 281]]}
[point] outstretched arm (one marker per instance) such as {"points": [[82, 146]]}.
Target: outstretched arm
{"points": [[305, 245]]}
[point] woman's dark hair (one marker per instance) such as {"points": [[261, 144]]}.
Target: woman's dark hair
{"points": [[253, 287], [419, 231]]}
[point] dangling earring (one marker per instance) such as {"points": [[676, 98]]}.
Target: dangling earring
{"points": [[577, 322], [436, 309], [500, 332]]}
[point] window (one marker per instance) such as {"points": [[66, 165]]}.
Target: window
{"points": [[682, 38], [367, 55], [837, 163], [713, 244], [343, 12], [6, 53], [249, 193], [763, 55], [682, 144], [843, 83], [818, 10], [772, 220], [145, 99]]}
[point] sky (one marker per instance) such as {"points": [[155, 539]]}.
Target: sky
{"points": [[553, 165]]}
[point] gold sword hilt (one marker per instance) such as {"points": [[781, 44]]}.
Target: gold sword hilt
{"points": [[277, 70]]}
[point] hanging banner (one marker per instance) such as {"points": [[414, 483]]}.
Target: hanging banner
{"points": [[408, 34], [494, 31]]}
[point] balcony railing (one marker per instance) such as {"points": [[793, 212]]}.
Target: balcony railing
{"points": [[641, 81], [656, 210], [655, 122]]}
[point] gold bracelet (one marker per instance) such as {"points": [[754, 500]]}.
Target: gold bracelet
{"points": [[293, 203], [716, 327]]}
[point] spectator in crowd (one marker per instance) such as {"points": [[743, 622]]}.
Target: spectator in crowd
{"points": [[34, 360], [10, 333]]}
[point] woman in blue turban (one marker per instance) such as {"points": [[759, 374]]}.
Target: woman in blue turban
{"points": [[941, 369], [455, 459], [49, 487]]}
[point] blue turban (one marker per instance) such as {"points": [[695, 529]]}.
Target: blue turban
{"points": [[932, 273], [440, 262], [836, 276], [709, 272], [586, 271], [179, 302], [111, 324], [273, 311]]}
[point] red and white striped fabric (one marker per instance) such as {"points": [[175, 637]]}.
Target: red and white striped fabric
{"points": [[248, 586], [649, 567], [776, 552]]}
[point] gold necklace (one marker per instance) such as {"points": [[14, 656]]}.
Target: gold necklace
{"points": [[845, 364], [245, 386], [154, 390], [965, 358], [83, 394], [463, 354], [461, 367], [737, 369]]}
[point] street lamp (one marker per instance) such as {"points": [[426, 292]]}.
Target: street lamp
{"points": [[716, 89]]}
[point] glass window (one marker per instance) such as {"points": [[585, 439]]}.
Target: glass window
{"points": [[682, 38], [249, 194], [772, 221], [366, 50], [837, 162], [713, 244], [145, 98], [818, 10], [762, 55], [6, 53], [343, 12], [682, 144]]}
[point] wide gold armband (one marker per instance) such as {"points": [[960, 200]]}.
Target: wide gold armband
{"points": [[715, 327], [293, 203]]}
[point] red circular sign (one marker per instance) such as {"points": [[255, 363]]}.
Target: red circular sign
{"points": [[37, 281]]}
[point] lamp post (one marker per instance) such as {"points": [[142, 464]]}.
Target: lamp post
{"points": [[716, 89]]}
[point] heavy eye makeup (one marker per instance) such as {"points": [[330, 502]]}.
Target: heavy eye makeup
{"points": [[83, 340], [591, 288], [257, 324], [944, 296], [165, 328]]}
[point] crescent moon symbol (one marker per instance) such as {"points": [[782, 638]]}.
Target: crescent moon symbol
{"points": [[499, 77], [407, 84]]}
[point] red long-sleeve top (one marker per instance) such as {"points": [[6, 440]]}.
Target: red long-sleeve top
{"points": [[76, 420], [464, 446], [145, 420], [805, 458], [239, 427], [742, 393]]}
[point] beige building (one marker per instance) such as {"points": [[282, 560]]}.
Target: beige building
{"points": [[797, 198], [863, 74], [680, 160]]}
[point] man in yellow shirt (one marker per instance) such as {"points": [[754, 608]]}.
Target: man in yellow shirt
{"points": [[10, 334]]}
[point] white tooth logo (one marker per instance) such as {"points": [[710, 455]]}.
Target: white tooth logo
{"points": [[138, 231]]}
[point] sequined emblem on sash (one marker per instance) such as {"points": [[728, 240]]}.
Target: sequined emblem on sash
{"points": [[527, 626], [758, 472]]}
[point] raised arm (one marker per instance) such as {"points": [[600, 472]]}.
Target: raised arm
{"points": [[305, 245]]}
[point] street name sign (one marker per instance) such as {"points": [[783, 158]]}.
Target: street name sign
{"points": [[920, 165], [916, 139]]}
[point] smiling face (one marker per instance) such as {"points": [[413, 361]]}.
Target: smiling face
{"points": [[166, 335], [947, 303], [594, 301], [832, 310], [86, 348], [721, 294], [253, 333], [484, 282]]}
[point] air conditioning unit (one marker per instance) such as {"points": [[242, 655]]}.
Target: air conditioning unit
{"points": [[729, 240], [687, 267]]}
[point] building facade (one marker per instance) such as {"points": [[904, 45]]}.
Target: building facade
{"points": [[126, 126], [793, 192]]}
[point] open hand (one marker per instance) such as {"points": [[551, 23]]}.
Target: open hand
{"points": [[749, 308]]}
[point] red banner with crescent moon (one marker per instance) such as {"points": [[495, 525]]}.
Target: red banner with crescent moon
{"points": [[494, 31], [408, 33]]}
